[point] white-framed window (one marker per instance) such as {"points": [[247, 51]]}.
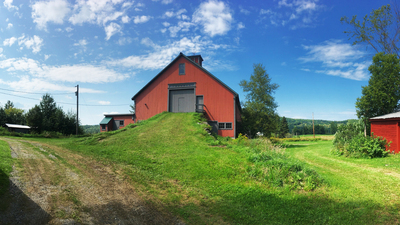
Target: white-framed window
{"points": [[103, 127], [224, 126], [121, 123], [182, 69]]}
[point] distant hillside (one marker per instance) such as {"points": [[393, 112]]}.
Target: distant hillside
{"points": [[304, 126], [91, 129]]}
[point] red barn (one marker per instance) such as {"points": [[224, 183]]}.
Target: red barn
{"points": [[116, 121], [185, 86], [388, 126]]}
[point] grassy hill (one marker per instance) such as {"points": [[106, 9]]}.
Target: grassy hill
{"points": [[177, 165], [178, 168]]}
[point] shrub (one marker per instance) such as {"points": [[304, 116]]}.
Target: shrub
{"points": [[270, 164], [350, 141]]}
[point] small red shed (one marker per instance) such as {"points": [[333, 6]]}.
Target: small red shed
{"points": [[185, 86], [116, 121], [388, 126]]}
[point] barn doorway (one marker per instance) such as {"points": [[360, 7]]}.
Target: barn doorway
{"points": [[182, 100]]}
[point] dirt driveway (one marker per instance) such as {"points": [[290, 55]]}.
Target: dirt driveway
{"points": [[51, 185]]}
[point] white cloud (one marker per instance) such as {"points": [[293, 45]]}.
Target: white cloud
{"points": [[124, 40], [244, 11], [161, 56], [240, 26], [104, 102], [46, 57], [112, 29], [338, 59], [9, 41], [125, 19], [35, 43], [177, 14], [214, 16], [49, 11], [166, 24], [81, 43], [69, 29], [141, 19], [26, 83], [8, 5], [9, 25], [182, 26], [84, 73], [298, 13], [95, 11], [165, 2]]}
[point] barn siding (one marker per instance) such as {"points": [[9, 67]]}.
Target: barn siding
{"points": [[389, 130], [217, 98]]}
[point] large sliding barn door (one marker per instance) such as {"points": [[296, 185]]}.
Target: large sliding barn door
{"points": [[181, 100]]}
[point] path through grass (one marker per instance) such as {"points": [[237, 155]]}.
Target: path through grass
{"points": [[374, 183]]}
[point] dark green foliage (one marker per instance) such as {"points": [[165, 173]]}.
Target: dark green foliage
{"points": [[12, 115], [34, 118], [379, 30], [304, 126], [283, 128], [333, 128], [48, 117], [382, 94], [351, 142], [258, 113]]}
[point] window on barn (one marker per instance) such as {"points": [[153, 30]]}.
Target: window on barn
{"points": [[103, 127], [182, 69], [225, 126], [121, 123]]}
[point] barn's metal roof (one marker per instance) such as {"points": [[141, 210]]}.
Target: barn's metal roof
{"points": [[17, 126], [119, 114], [387, 116], [106, 120]]}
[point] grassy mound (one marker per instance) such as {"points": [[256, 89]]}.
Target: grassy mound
{"points": [[202, 178]]}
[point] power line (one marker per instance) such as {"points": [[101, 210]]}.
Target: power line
{"points": [[65, 103], [36, 93]]}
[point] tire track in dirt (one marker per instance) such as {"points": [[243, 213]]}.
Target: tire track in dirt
{"points": [[67, 188]]}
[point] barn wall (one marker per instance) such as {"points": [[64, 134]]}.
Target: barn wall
{"points": [[127, 120], [217, 99], [388, 130]]}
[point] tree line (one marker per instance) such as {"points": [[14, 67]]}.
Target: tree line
{"points": [[46, 116]]}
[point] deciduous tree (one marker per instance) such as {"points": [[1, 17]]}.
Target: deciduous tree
{"points": [[380, 29], [259, 109], [382, 94]]}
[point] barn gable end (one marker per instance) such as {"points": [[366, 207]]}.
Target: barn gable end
{"points": [[185, 86]]}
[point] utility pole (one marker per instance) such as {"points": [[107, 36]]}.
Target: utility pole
{"points": [[313, 131], [77, 108]]}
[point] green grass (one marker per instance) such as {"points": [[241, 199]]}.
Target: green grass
{"points": [[175, 164], [367, 188], [6, 163]]}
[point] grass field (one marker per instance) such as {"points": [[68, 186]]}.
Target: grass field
{"points": [[5, 166], [175, 165]]}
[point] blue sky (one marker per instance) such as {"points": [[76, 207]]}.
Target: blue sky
{"points": [[112, 48]]}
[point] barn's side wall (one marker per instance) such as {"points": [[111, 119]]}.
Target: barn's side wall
{"points": [[127, 120], [388, 130], [218, 102]]}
